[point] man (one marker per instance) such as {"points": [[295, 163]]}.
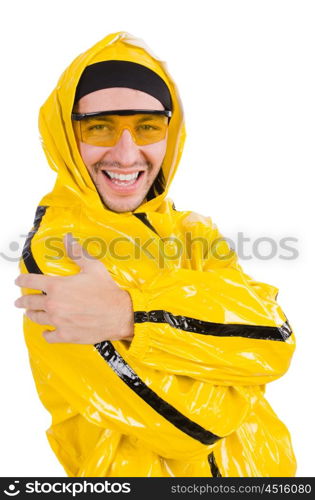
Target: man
{"points": [[156, 347]]}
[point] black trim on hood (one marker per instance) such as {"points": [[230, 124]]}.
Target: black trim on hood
{"points": [[142, 216], [193, 325], [27, 254], [127, 375], [213, 466]]}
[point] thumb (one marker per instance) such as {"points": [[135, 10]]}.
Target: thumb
{"points": [[77, 253]]}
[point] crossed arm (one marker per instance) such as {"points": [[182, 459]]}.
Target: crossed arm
{"points": [[74, 305], [255, 349], [214, 334]]}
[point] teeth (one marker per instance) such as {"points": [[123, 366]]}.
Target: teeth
{"points": [[122, 177]]}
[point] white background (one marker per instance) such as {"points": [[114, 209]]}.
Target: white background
{"points": [[245, 71]]}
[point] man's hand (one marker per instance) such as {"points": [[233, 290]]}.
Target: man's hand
{"points": [[84, 308]]}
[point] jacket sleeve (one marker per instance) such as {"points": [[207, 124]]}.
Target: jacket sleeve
{"points": [[109, 390], [213, 322]]}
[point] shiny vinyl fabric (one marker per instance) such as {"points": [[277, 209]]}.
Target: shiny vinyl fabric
{"points": [[186, 396]]}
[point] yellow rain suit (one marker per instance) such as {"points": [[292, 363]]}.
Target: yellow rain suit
{"points": [[186, 396]]}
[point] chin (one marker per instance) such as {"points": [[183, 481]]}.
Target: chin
{"points": [[121, 206]]}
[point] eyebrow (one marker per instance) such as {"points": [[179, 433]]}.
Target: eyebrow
{"points": [[108, 118], [101, 118], [146, 118]]}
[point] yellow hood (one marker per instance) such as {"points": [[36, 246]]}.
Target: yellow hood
{"points": [[58, 140]]}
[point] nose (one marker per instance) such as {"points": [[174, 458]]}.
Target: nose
{"points": [[125, 150]]}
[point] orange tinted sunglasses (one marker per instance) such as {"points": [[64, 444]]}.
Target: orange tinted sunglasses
{"points": [[104, 128]]}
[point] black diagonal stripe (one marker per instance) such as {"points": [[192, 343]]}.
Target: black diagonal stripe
{"points": [[27, 254], [213, 466], [193, 325], [127, 375], [144, 218]]}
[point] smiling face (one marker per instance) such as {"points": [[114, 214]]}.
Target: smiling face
{"points": [[108, 166]]}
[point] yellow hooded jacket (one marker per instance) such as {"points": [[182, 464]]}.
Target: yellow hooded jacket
{"points": [[186, 396]]}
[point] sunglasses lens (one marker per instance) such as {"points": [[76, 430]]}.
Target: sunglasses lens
{"points": [[149, 129], [98, 131], [106, 130]]}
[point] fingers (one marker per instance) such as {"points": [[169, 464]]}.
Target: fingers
{"points": [[51, 336], [40, 317], [34, 281], [77, 253], [35, 305], [32, 301], [54, 337]]}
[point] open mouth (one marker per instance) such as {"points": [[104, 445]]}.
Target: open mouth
{"points": [[123, 182], [123, 179]]}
